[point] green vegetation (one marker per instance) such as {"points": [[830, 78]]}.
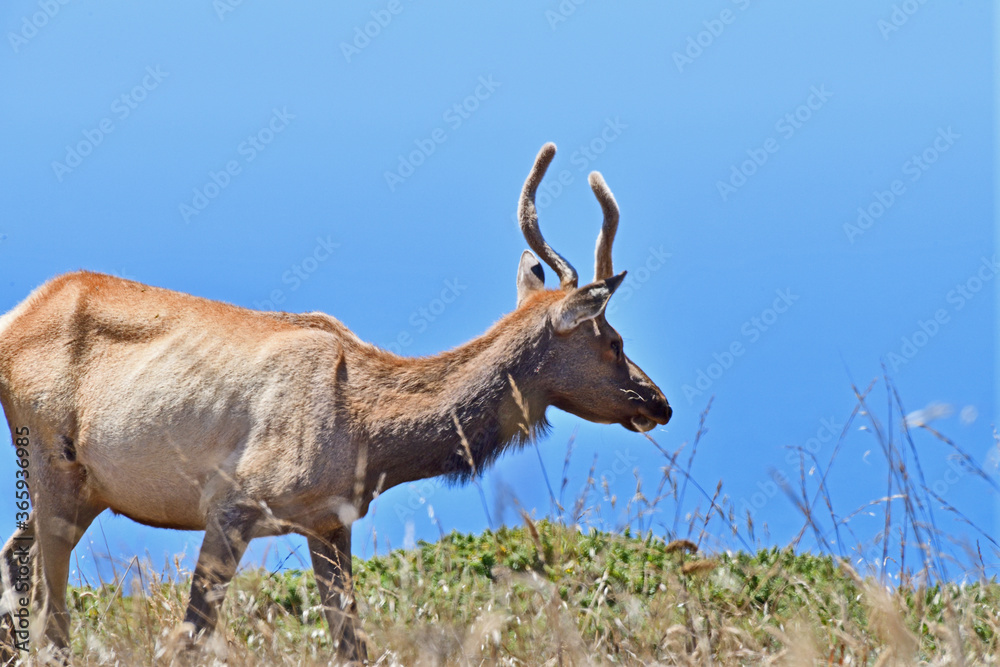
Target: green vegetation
{"points": [[547, 594]]}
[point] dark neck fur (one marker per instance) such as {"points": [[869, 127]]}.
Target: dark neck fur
{"points": [[407, 407]]}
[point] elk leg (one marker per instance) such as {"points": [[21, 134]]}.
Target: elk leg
{"points": [[18, 560], [331, 558], [60, 522], [226, 537]]}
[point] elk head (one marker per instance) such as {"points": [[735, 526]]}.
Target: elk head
{"points": [[586, 370]]}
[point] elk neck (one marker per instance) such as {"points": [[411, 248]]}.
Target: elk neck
{"points": [[420, 417]]}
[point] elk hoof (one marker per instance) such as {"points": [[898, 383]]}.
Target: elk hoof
{"points": [[179, 642], [186, 645]]}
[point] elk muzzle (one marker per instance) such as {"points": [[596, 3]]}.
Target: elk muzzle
{"points": [[650, 403], [652, 413]]}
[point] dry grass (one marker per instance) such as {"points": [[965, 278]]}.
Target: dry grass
{"points": [[548, 594], [558, 591]]}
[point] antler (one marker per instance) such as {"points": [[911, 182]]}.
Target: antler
{"points": [[602, 255], [528, 216]]}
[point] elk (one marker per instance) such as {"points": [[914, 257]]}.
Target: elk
{"points": [[181, 412]]}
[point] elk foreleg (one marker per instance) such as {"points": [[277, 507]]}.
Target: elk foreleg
{"points": [[226, 538], [331, 558], [61, 517]]}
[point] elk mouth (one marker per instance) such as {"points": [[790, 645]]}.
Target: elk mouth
{"points": [[647, 421], [640, 424]]}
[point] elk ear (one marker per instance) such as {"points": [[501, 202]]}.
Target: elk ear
{"points": [[530, 276], [584, 303]]}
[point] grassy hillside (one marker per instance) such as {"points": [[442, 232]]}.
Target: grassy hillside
{"points": [[547, 594]]}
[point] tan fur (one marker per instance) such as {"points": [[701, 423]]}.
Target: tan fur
{"points": [[182, 412]]}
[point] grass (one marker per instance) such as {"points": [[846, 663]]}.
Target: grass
{"points": [[560, 591], [545, 593]]}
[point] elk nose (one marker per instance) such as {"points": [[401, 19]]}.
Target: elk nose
{"points": [[659, 409]]}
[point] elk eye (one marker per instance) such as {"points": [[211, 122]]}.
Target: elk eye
{"points": [[616, 347]]}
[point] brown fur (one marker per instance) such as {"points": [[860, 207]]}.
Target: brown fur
{"points": [[182, 412]]}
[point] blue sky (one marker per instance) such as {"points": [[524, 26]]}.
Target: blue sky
{"points": [[807, 192]]}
